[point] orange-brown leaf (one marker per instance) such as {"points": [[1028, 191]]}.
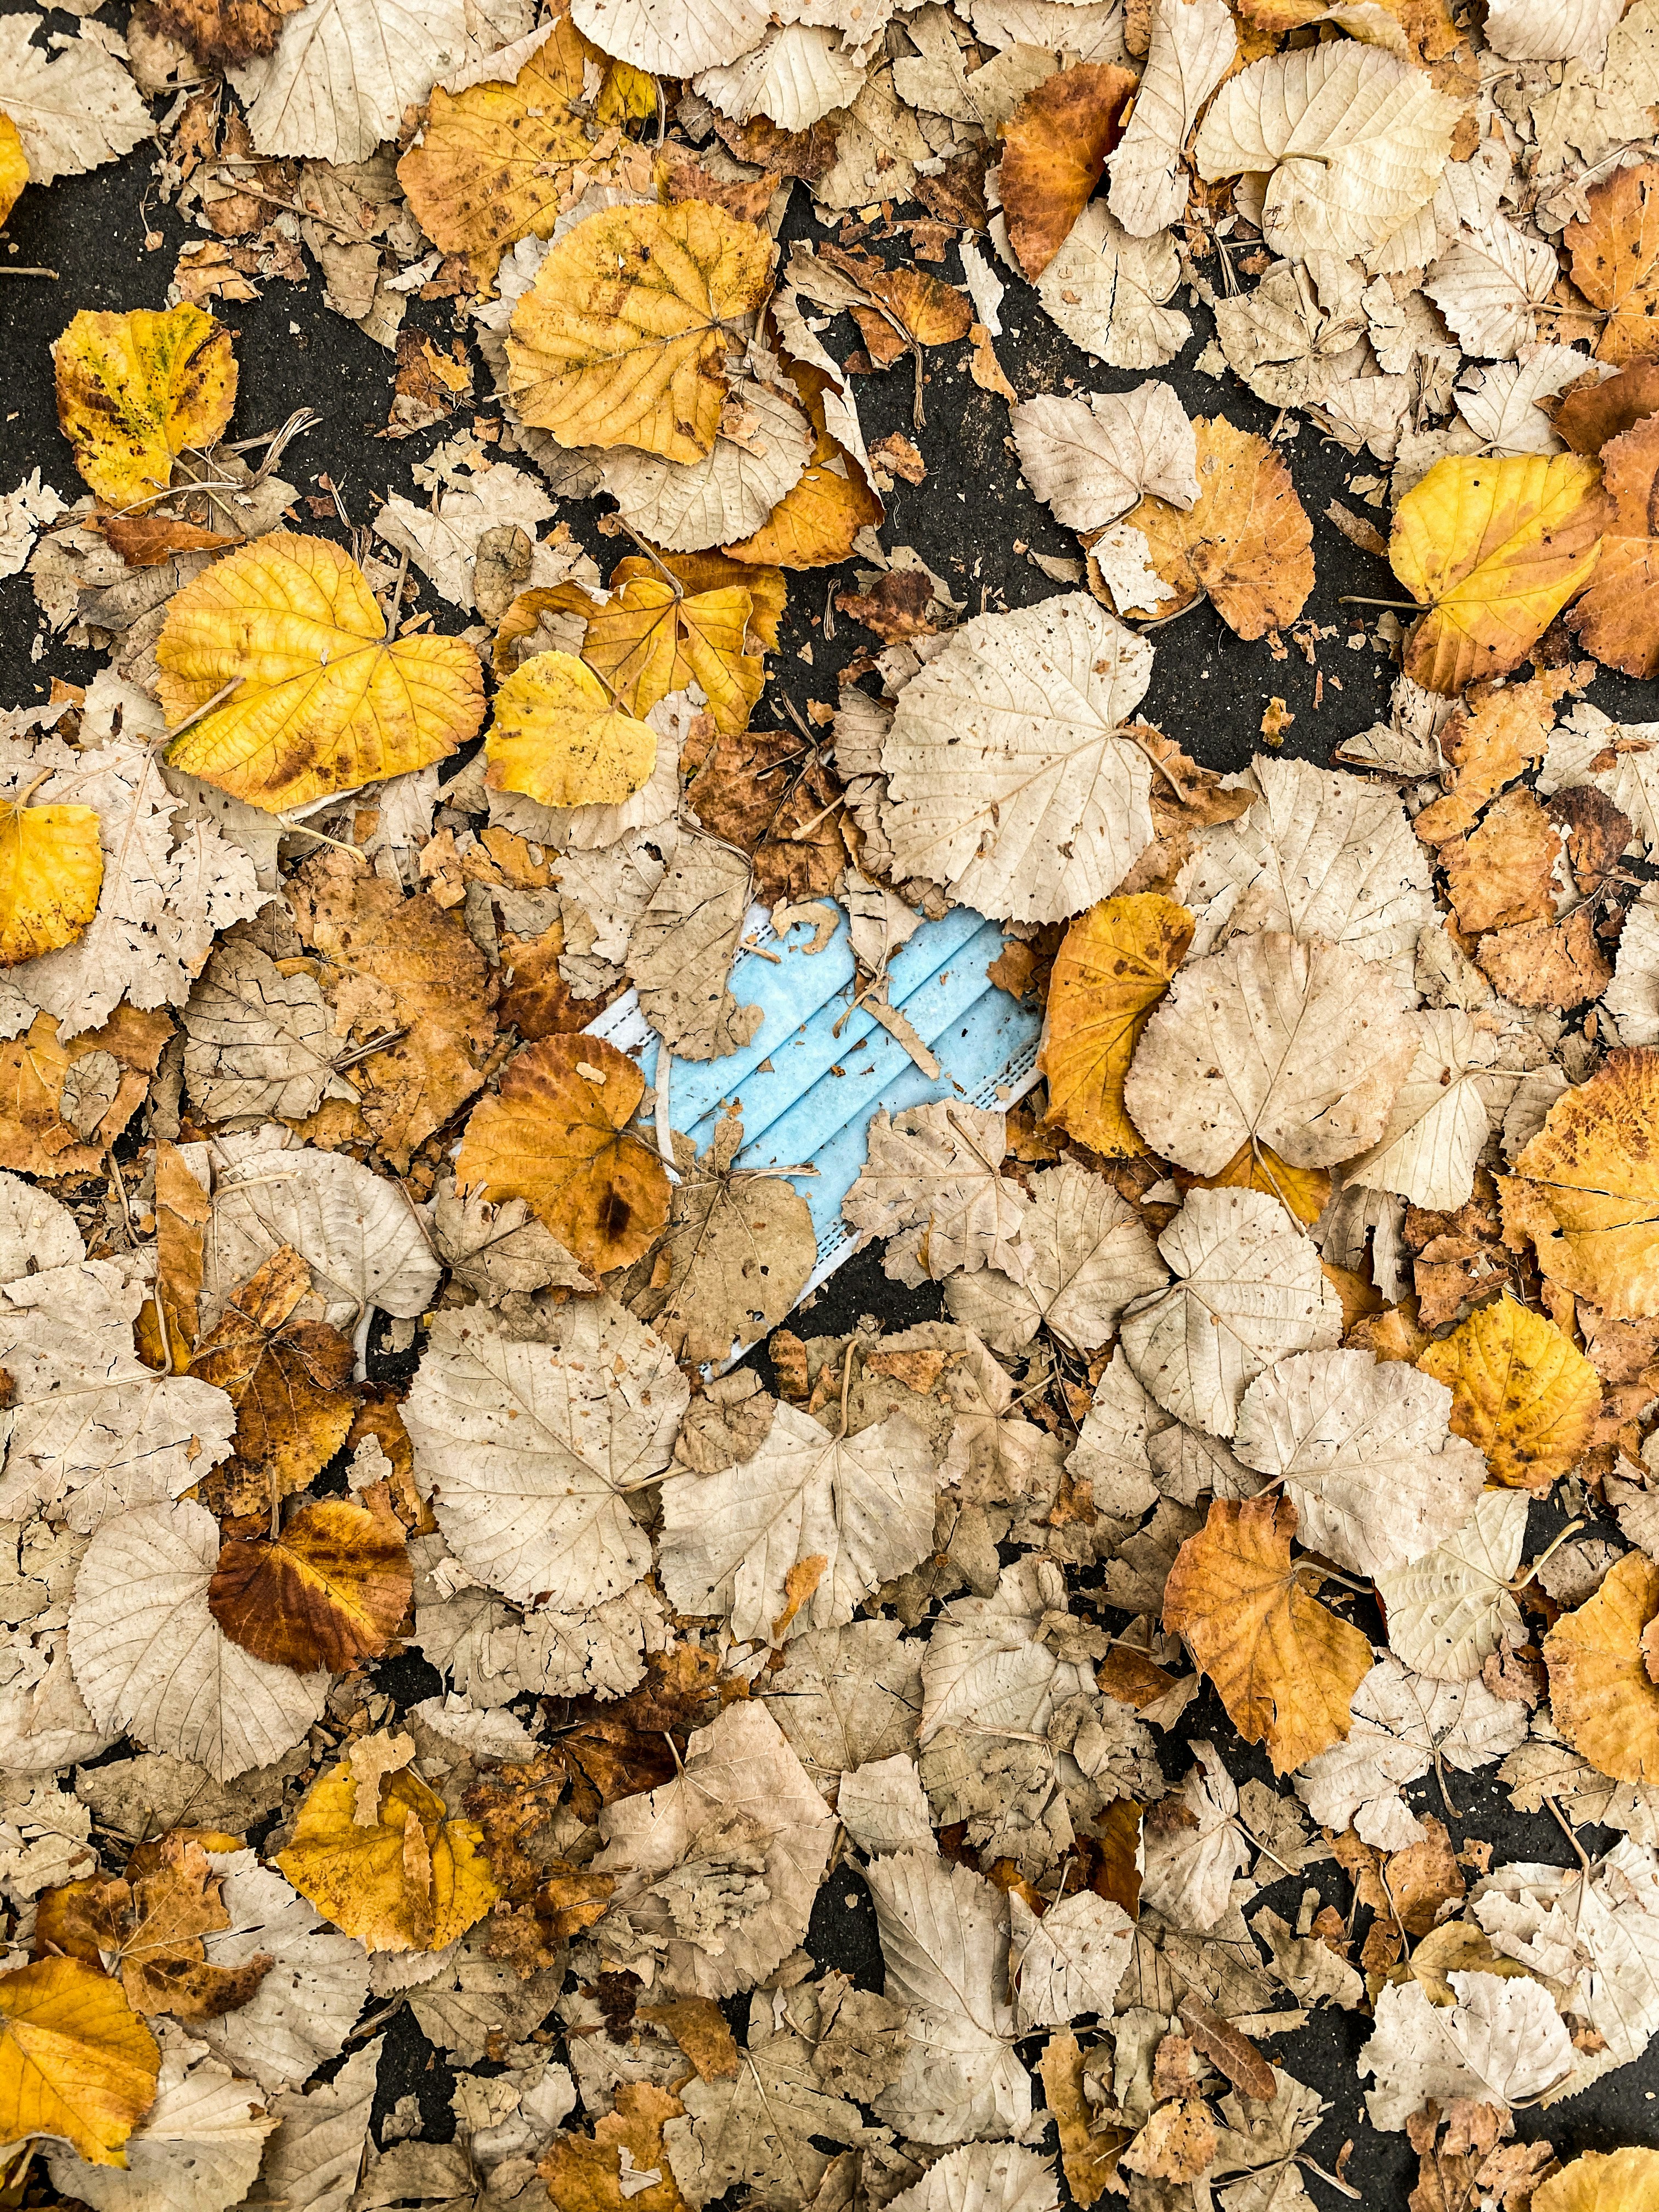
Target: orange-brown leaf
{"points": [[1247, 541], [1602, 1698], [328, 1591], [36, 1135], [1615, 260], [1618, 617], [1054, 146]]}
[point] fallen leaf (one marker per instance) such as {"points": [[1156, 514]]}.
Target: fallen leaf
{"points": [[1084, 1255], [1246, 540], [930, 1185], [1590, 413], [1092, 459], [587, 2173], [74, 108], [1106, 291], [289, 1381], [1115, 964], [1009, 738], [414, 1880], [328, 1590], [1054, 146], [1193, 47], [622, 339], [1284, 1666], [342, 74], [75, 2061], [682, 947], [1598, 2181], [257, 1041], [1521, 1392], [218, 32], [51, 867], [1585, 1192], [199, 2144], [1602, 1698], [322, 702], [560, 1139], [1494, 549], [134, 391], [735, 1256], [1614, 250], [699, 623], [1618, 619], [1088, 2158], [1501, 2041]]}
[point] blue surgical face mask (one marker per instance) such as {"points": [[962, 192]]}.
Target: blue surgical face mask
{"points": [[805, 1093]]}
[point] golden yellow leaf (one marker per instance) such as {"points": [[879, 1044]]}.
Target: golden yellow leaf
{"points": [[584, 2174], [1285, 1667], [1586, 1188], [1521, 1391], [1247, 540], [35, 1138], [413, 1881], [1113, 968], [51, 867], [813, 525], [557, 1135], [14, 166], [693, 617], [1602, 1699], [322, 701], [326, 1591], [75, 2060], [1611, 2181], [1088, 2149], [1494, 549], [135, 389], [559, 736], [1054, 154], [622, 338], [1257, 1166], [1615, 260], [493, 162]]}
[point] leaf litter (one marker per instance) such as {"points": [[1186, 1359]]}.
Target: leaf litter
{"points": [[1310, 1293]]}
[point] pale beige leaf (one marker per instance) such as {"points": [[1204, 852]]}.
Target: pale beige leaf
{"points": [[74, 108], [342, 72], [197, 2149], [1193, 47], [1447, 1611], [1503, 2041], [1091, 457], [1070, 1962], [685, 506], [1106, 291], [1440, 1116], [682, 947], [930, 1186], [259, 1043], [1083, 1254], [794, 77], [1403, 1723]]}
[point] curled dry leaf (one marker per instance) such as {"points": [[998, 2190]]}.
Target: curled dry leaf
{"points": [[412, 1879], [1521, 1392], [559, 736], [1246, 540], [322, 701], [1599, 2181], [1285, 1667], [1193, 47], [682, 947], [622, 338], [557, 1134], [1494, 549], [52, 866], [1115, 964], [1054, 146], [328, 1591], [135, 389], [1602, 1698]]}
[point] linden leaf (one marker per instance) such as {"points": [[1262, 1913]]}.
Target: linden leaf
{"points": [[1618, 617], [1614, 2181], [164, 1963], [622, 338], [1494, 549], [135, 389], [560, 737], [1587, 1188], [493, 163], [813, 525], [1615, 259], [1246, 540], [1193, 47], [557, 1135], [327, 1591], [290, 1382], [1285, 1667], [75, 2061], [14, 166], [322, 702], [1449, 1611], [413, 1880], [51, 867], [654, 636], [1521, 1391], [1602, 1698], [1054, 149], [735, 1256], [1115, 964]]}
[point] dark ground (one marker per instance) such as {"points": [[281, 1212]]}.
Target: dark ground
{"points": [[1209, 690]]}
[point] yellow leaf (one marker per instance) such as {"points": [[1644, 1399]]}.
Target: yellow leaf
{"points": [[1285, 1667], [134, 390], [1494, 549], [627, 94], [1611, 2181], [622, 338], [813, 525], [14, 166], [413, 1881], [75, 2060], [51, 867], [493, 162], [1247, 540], [1257, 1166], [683, 618], [1113, 968], [559, 737], [1602, 1697], [558, 1137], [585, 2173], [1586, 1188], [1521, 1391], [322, 702]]}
